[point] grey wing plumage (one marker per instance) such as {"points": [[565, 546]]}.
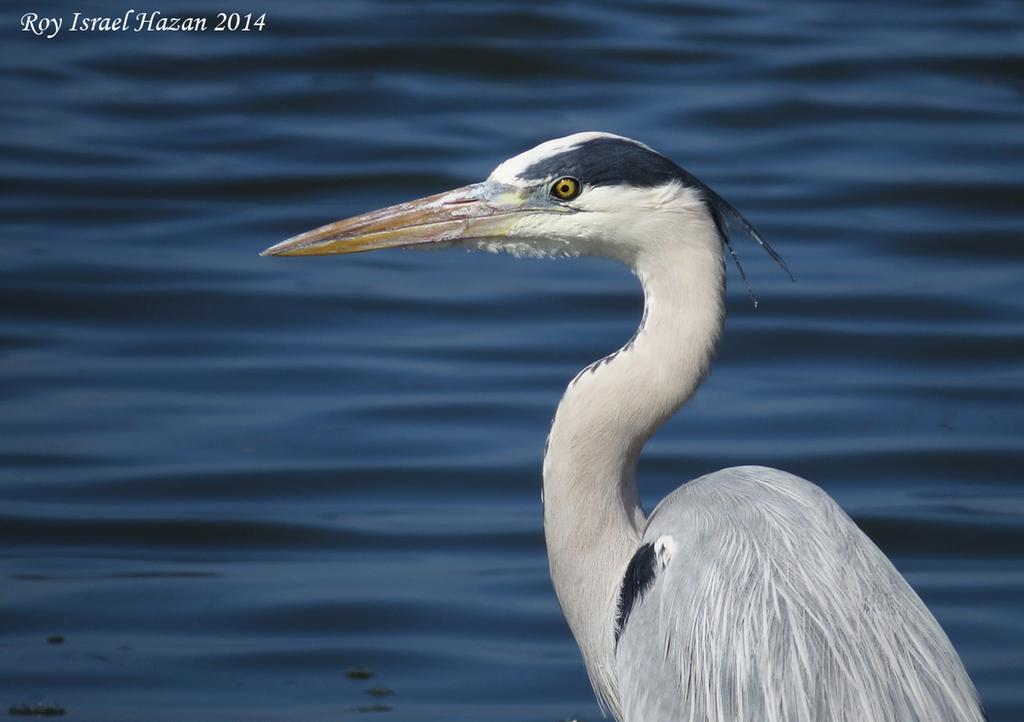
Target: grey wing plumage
{"points": [[764, 601]]}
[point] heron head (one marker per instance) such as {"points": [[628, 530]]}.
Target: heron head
{"points": [[586, 194]]}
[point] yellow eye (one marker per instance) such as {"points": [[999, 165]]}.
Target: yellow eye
{"points": [[565, 189]]}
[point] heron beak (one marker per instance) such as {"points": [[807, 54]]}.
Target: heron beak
{"points": [[481, 210]]}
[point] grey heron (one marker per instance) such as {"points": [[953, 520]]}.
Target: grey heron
{"points": [[747, 594]]}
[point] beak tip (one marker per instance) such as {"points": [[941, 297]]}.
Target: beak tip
{"points": [[278, 249]]}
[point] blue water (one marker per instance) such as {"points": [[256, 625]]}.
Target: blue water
{"points": [[225, 480]]}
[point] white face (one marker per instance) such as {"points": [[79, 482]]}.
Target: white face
{"points": [[613, 219], [610, 221]]}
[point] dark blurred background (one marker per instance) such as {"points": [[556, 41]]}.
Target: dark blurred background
{"points": [[227, 481]]}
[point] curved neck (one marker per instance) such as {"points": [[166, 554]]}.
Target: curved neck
{"points": [[593, 518]]}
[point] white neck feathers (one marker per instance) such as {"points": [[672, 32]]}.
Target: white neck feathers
{"points": [[593, 519]]}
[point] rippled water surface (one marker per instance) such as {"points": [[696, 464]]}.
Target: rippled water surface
{"points": [[226, 481]]}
